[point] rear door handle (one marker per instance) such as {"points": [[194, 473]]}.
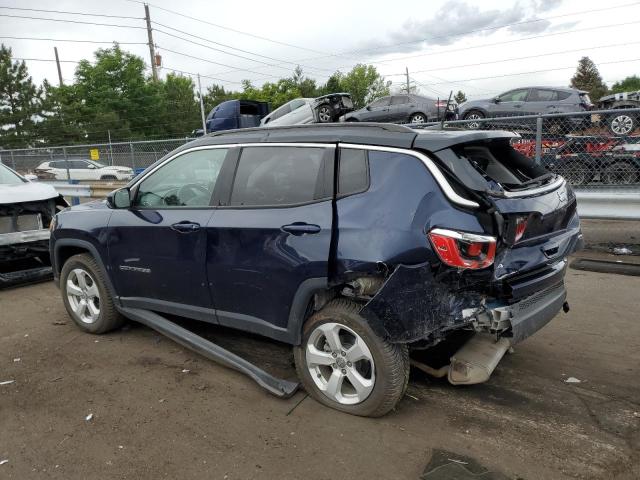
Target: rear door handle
{"points": [[300, 228], [185, 227]]}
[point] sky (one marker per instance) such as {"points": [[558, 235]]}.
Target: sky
{"points": [[480, 47]]}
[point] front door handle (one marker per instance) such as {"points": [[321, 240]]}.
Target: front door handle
{"points": [[185, 227], [300, 228]]}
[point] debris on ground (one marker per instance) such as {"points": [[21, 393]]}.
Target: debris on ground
{"points": [[2, 462], [185, 370], [89, 417], [59, 322], [7, 382], [16, 360], [572, 380], [622, 251]]}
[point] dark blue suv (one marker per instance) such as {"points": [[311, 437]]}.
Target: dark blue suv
{"points": [[355, 243]]}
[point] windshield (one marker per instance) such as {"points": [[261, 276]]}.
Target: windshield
{"points": [[8, 177]]}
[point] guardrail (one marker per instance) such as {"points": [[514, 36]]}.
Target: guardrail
{"points": [[75, 191], [611, 204]]}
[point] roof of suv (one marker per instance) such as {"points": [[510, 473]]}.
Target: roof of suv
{"points": [[379, 134]]}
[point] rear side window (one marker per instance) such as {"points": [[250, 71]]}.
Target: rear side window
{"points": [[353, 173], [278, 176], [381, 102], [399, 100], [539, 95], [563, 95]]}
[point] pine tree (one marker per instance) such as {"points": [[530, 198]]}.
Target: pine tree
{"points": [[460, 97], [19, 102], [588, 78]]}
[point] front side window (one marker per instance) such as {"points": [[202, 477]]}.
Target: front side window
{"points": [[283, 110], [186, 181], [399, 100], [514, 96], [278, 176]]}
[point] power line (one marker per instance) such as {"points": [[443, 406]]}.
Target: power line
{"points": [[22, 59], [229, 46], [210, 61], [69, 13], [71, 40], [70, 21], [230, 29]]}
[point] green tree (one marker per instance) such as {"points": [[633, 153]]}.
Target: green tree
{"points": [[460, 97], [19, 102], [629, 84], [305, 85], [61, 116], [365, 84], [333, 85], [587, 77], [180, 109], [216, 94]]}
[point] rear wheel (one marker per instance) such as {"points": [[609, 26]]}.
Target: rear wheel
{"points": [[418, 118], [325, 114], [575, 173], [622, 123], [86, 297], [474, 115], [343, 364], [620, 173]]}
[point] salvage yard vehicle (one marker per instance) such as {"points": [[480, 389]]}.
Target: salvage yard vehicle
{"points": [[530, 101], [300, 111], [26, 209], [83, 170], [621, 122], [233, 114], [355, 243], [404, 108]]}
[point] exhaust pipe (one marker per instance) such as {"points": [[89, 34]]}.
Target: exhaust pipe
{"points": [[473, 363]]}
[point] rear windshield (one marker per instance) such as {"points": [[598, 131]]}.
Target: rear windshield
{"points": [[493, 165]]}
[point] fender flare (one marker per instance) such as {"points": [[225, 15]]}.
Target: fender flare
{"points": [[307, 289], [86, 245]]}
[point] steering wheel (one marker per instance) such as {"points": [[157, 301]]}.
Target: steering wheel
{"points": [[189, 191]]}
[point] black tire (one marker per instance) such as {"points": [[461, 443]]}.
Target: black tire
{"points": [[108, 177], [108, 318], [576, 173], [621, 172], [418, 118], [474, 115], [391, 361], [325, 114], [622, 123]]}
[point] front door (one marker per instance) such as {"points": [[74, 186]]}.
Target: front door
{"points": [[273, 234], [377, 111], [510, 104], [157, 248]]}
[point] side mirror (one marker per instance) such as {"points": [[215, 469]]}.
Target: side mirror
{"points": [[119, 198], [91, 166], [496, 100]]}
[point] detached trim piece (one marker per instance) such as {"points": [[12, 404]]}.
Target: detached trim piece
{"points": [[24, 237], [449, 192], [276, 386], [532, 191]]}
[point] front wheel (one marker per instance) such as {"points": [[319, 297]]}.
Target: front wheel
{"points": [[325, 114], [343, 364], [86, 296], [474, 115], [622, 124]]}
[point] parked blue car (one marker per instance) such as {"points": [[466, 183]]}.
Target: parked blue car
{"points": [[354, 243], [234, 114]]}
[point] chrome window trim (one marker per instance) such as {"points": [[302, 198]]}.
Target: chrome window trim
{"points": [[440, 179], [231, 145], [533, 191]]}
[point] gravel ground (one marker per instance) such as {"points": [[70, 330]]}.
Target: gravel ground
{"points": [[132, 404]]}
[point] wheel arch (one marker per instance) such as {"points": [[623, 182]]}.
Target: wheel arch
{"points": [[474, 110]]}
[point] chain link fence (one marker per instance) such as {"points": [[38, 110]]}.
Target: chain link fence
{"points": [[591, 150]]}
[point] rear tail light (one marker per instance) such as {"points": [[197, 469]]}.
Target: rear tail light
{"points": [[521, 227], [463, 250]]}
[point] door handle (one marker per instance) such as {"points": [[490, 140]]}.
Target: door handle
{"points": [[185, 227], [300, 228], [517, 105]]}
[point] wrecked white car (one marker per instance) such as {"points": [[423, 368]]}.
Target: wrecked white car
{"points": [[26, 210]]}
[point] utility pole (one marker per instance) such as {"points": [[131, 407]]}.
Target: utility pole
{"points": [[152, 52], [204, 123], [55, 50], [408, 82]]}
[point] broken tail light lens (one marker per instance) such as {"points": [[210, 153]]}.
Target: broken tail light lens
{"points": [[521, 227], [463, 250]]}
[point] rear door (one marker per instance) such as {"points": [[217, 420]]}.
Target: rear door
{"points": [[157, 248], [541, 101], [271, 234], [399, 108]]}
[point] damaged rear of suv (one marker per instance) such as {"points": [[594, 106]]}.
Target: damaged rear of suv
{"points": [[357, 244]]}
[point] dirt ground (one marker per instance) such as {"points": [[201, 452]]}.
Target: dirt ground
{"points": [[160, 411]]}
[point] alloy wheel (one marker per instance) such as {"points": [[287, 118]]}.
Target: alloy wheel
{"points": [[83, 295], [473, 116], [340, 363], [418, 119], [622, 124], [324, 114]]}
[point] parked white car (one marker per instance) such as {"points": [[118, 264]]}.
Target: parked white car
{"points": [[300, 111], [84, 170]]}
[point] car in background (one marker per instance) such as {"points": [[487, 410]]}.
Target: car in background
{"points": [[234, 114], [324, 109], [83, 170], [531, 101], [404, 109], [26, 209], [621, 123]]}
